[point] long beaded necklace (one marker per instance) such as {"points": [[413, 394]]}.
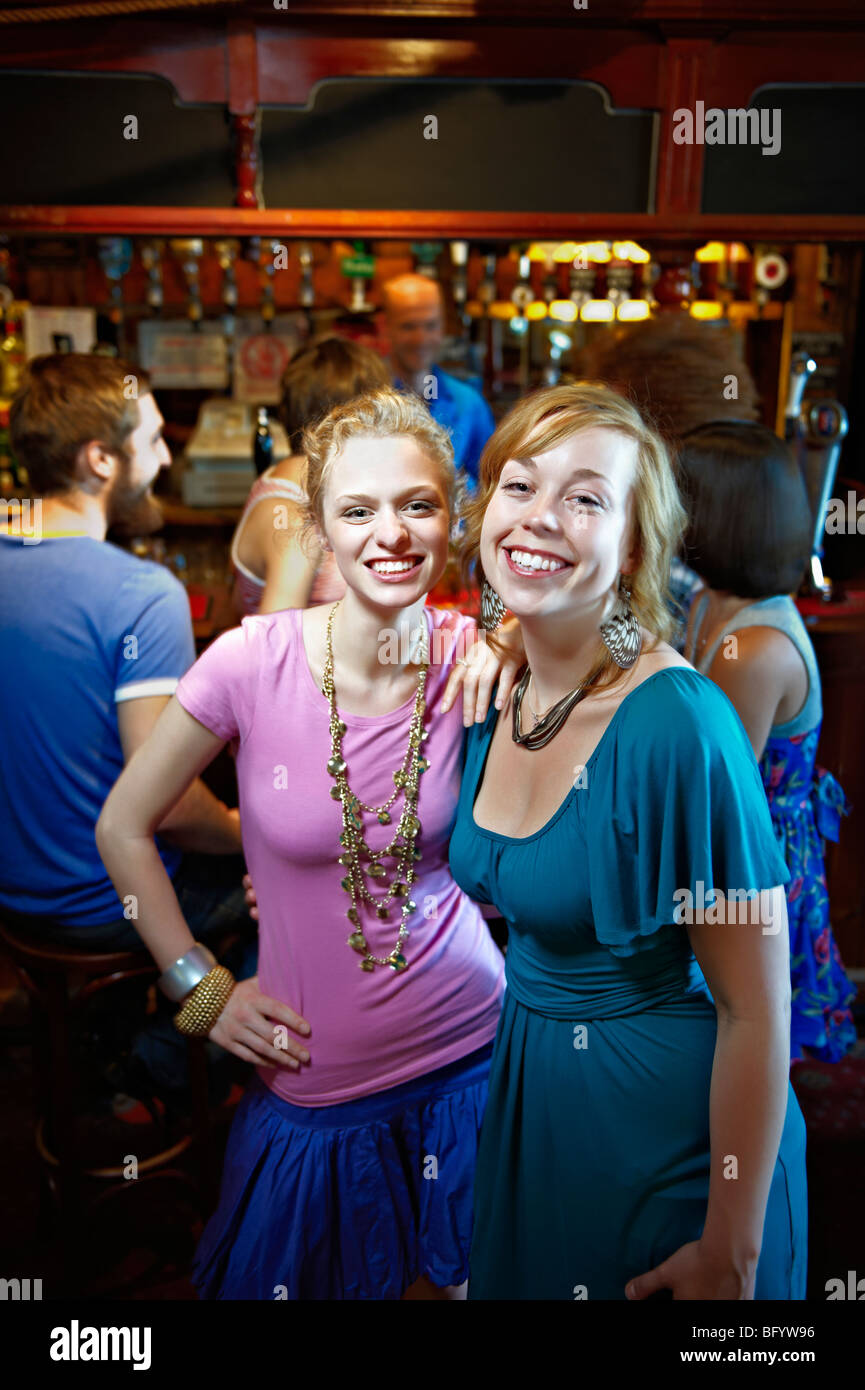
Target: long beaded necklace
{"points": [[402, 847]]}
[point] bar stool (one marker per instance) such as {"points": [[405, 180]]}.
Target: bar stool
{"points": [[60, 980]]}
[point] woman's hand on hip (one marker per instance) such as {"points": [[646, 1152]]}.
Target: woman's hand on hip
{"points": [[257, 1028], [250, 897], [692, 1272]]}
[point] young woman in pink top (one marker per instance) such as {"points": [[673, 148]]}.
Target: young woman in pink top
{"points": [[350, 1166]]}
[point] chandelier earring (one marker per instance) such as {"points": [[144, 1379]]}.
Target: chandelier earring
{"points": [[621, 631], [492, 608]]}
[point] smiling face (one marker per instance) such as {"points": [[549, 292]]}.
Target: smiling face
{"points": [[556, 531], [385, 516]]}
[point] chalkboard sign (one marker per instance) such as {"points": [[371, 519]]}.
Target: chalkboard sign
{"points": [[88, 139], [507, 146], [819, 133]]}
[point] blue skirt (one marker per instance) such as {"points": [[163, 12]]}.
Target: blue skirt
{"points": [[351, 1201]]}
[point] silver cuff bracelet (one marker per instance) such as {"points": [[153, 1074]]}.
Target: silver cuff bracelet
{"points": [[186, 972]]}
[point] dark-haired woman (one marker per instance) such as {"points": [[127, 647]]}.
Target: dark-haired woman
{"points": [[749, 538], [272, 569]]}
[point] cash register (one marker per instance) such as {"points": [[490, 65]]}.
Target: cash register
{"points": [[218, 462]]}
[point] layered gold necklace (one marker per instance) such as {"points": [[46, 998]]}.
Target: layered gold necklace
{"points": [[401, 848]]}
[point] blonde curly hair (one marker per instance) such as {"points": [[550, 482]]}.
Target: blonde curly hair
{"points": [[547, 418], [378, 415]]}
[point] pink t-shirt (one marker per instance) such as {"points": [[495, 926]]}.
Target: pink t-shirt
{"points": [[368, 1030]]}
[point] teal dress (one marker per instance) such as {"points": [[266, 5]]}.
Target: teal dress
{"points": [[594, 1155]]}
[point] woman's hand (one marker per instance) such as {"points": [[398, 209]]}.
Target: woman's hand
{"points": [[256, 1028], [250, 898], [693, 1272], [478, 671]]}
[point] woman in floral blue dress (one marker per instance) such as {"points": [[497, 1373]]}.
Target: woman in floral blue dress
{"points": [[749, 539]]}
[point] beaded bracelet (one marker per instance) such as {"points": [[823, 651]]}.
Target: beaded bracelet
{"points": [[206, 1002]]}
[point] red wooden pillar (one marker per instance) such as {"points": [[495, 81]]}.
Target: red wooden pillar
{"points": [[242, 61], [683, 80]]}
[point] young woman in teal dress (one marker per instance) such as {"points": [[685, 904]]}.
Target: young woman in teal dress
{"points": [[737, 475], [641, 1134]]}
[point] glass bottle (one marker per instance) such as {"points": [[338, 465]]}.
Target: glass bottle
{"points": [[262, 443]]}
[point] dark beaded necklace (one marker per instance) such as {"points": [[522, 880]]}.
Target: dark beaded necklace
{"points": [[547, 727]]}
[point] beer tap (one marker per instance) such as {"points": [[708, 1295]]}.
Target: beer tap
{"points": [[522, 294], [226, 254], [815, 432], [802, 368], [151, 259], [189, 251], [826, 427], [307, 288], [583, 275], [115, 258], [620, 278], [426, 254], [359, 268], [459, 260], [487, 288], [267, 280]]}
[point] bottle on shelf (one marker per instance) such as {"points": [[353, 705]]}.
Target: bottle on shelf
{"points": [[262, 443], [13, 356]]}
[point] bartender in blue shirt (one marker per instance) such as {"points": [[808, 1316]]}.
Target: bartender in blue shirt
{"points": [[414, 322]]}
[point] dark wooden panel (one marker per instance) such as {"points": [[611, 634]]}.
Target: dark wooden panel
{"points": [[817, 168], [63, 142], [516, 145]]}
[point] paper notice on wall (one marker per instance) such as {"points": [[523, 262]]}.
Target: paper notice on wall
{"points": [[58, 330], [261, 358], [175, 355]]}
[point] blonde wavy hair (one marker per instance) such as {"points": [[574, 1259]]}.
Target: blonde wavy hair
{"points": [[546, 419], [377, 415]]}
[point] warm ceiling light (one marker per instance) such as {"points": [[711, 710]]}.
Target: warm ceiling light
{"points": [[565, 310], [630, 310], [538, 309], [501, 309], [595, 252], [542, 251], [566, 252], [712, 252], [706, 309], [630, 251], [598, 311]]}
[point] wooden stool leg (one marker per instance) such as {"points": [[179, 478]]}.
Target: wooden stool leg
{"points": [[61, 1136], [47, 1211]]}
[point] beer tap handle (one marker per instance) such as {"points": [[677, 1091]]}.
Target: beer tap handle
{"points": [[189, 251], [115, 257], [151, 259], [826, 426], [802, 368], [307, 287]]}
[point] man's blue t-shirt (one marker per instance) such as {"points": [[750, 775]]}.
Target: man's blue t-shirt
{"points": [[83, 626], [464, 413]]}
